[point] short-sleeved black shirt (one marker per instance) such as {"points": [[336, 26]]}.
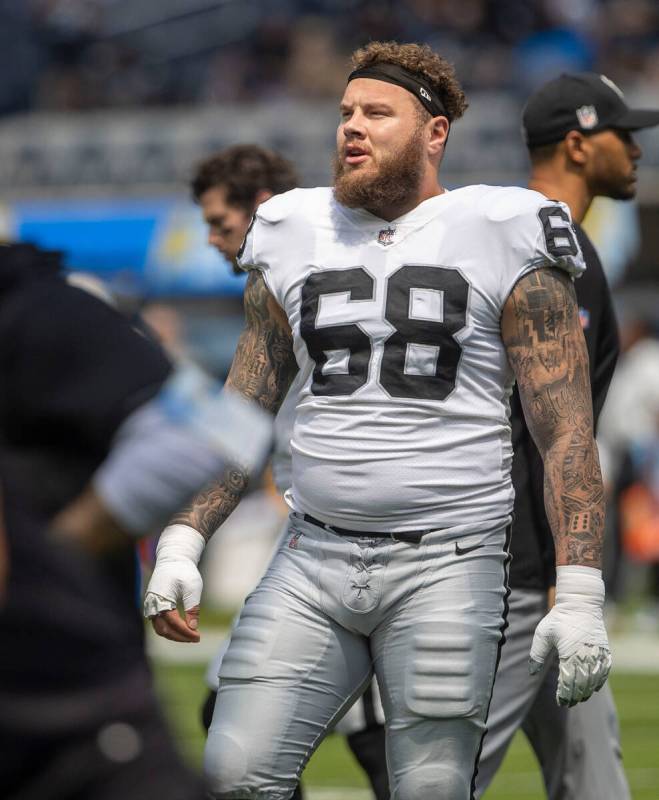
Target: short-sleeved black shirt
{"points": [[71, 370], [532, 546]]}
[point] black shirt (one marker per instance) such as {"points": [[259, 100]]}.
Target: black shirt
{"points": [[71, 370], [532, 546]]}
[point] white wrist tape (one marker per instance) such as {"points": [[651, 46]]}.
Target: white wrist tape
{"points": [[179, 542], [577, 584], [175, 577]]}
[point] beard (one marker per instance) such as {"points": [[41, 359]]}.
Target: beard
{"points": [[617, 189], [394, 181]]}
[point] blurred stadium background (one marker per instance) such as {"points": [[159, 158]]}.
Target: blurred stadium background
{"points": [[106, 105]]}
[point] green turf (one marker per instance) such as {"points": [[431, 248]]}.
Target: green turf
{"points": [[637, 698]]}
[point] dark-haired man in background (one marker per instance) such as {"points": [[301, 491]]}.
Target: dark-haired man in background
{"points": [[229, 187], [579, 133]]}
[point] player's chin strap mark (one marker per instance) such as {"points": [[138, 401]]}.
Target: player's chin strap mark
{"points": [[392, 73]]}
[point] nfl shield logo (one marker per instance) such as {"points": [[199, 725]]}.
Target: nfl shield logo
{"points": [[587, 116], [294, 541], [386, 236]]}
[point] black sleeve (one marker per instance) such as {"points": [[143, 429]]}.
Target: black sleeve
{"points": [[75, 368], [599, 321], [532, 545], [608, 349]]}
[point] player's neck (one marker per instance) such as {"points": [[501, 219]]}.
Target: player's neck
{"points": [[569, 189], [427, 189]]}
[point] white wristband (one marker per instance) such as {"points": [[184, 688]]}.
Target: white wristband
{"points": [[574, 582], [180, 542]]}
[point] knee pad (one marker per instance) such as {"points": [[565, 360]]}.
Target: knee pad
{"points": [[228, 772], [225, 764], [432, 782]]}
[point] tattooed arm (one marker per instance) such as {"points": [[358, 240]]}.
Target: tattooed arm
{"points": [[262, 370], [263, 367], [542, 333], [546, 348]]}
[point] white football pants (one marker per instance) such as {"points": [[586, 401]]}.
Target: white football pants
{"points": [[329, 611]]}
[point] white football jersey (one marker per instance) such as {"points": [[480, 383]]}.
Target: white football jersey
{"points": [[402, 419]]}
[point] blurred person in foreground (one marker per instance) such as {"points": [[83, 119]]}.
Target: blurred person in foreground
{"points": [[410, 311], [229, 186], [89, 460], [579, 134]]}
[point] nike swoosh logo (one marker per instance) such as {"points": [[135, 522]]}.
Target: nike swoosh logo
{"points": [[461, 551]]}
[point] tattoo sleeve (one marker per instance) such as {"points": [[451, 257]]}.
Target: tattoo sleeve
{"points": [[263, 368], [546, 348]]}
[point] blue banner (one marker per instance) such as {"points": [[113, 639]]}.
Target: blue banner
{"points": [[150, 247]]}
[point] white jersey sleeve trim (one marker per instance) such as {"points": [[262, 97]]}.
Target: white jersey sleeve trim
{"points": [[248, 259], [573, 265]]}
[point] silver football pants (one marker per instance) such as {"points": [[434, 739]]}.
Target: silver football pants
{"points": [[330, 610]]}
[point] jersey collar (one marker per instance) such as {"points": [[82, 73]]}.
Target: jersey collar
{"points": [[419, 214], [392, 232]]}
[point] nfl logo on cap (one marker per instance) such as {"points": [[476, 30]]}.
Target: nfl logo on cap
{"points": [[587, 116]]}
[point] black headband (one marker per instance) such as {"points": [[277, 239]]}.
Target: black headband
{"points": [[392, 73]]}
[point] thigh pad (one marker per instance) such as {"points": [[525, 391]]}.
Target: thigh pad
{"points": [[449, 670]]}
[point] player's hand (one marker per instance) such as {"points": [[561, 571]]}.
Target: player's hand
{"points": [[575, 627], [176, 580]]}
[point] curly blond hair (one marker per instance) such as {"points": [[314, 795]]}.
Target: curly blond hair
{"points": [[419, 58]]}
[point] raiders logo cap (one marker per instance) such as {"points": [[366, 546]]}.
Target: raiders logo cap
{"points": [[579, 101]]}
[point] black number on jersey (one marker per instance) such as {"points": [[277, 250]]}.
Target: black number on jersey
{"points": [[437, 346], [348, 337], [438, 336], [560, 239]]}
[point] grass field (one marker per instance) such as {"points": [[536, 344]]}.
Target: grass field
{"points": [[333, 775]]}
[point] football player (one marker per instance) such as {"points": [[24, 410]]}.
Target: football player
{"points": [[403, 313]]}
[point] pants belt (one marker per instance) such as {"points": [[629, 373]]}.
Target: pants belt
{"points": [[409, 537]]}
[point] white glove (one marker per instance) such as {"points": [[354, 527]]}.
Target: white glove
{"points": [[575, 627], [175, 577]]}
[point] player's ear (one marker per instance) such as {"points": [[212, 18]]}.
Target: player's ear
{"points": [[261, 196], [576, 147], [438, 135]]}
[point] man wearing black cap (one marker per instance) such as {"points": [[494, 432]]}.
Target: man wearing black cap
{"points": [[585, 102], [578, 130], [409, 310]]}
